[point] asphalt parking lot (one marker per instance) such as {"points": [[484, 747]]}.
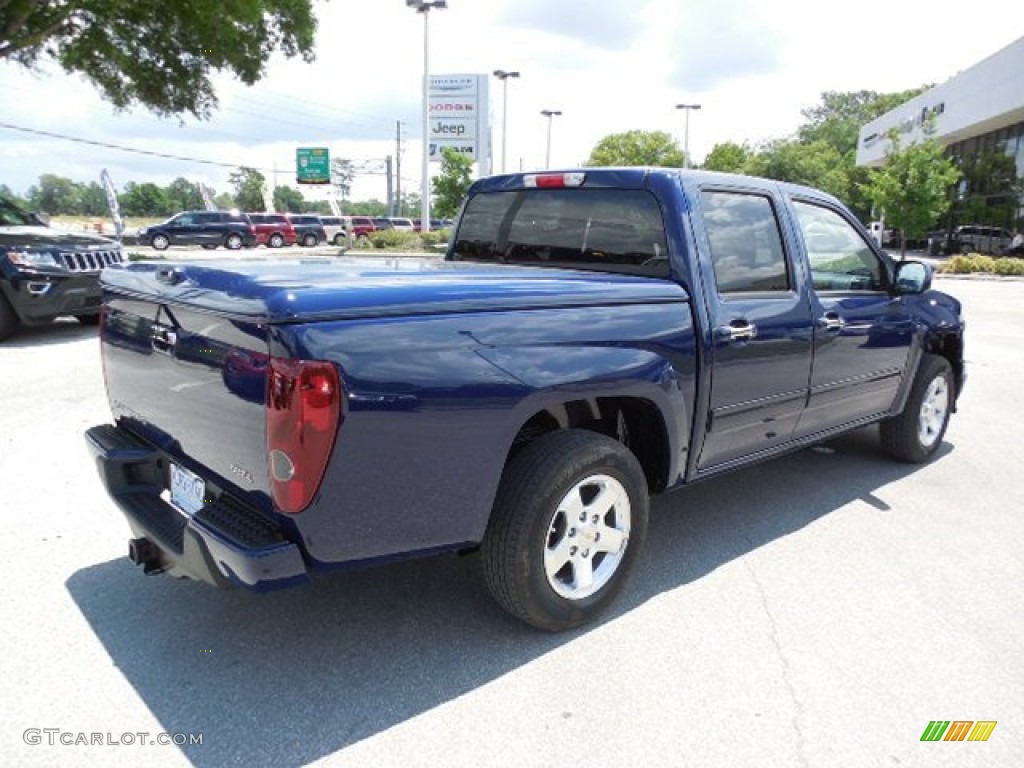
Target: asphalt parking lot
{"points": [[818, 610]]}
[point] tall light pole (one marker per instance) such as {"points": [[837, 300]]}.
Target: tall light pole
{"points": [[686, 131], [424, 7], [502, 75], [549, 114]]}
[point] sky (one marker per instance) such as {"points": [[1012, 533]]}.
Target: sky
{"points": [[609, 67]]}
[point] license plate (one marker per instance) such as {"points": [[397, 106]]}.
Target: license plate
{"points": [[187, 490]]}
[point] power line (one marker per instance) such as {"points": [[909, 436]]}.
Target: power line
{"points": [[150, 153], [121, 148]]}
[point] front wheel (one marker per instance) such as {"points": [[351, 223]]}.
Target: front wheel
{"points": [[309, 240], [916, 433], [233, 242], [569, 521], [276, 241]]}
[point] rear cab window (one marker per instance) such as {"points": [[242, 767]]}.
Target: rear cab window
{"points": [[610, 230]]}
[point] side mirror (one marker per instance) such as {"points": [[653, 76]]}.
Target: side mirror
{"points": [[913, 277]]}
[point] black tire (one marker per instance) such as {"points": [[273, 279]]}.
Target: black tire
{"points": [[275, 241], [89, 319], [160, 242], [8, 319], [233, 241], [916, 433], [210, 246], [310, 240], [529, 516]]}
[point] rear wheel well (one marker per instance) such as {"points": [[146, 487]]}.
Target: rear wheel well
{"points": [[634, 422]]}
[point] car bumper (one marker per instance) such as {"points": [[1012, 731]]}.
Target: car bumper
{"points": [[226, 543], [40, 297]]}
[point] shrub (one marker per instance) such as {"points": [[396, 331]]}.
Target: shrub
{"points": [[435, 237], [395, 239], [1009, 267], [976, 262], [959, 265]]}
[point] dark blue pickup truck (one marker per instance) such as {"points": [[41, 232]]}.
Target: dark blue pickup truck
{"points": [[592, 337]]}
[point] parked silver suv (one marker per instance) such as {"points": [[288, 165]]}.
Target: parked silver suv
{"points": [[975, 238]]}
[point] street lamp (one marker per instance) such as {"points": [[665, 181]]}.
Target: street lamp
{"points": [[549, 113], [424, 7], [502, 75], [686, 131]]}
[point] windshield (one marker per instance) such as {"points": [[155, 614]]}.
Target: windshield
{"points": [[610, 230], [12, 216]]}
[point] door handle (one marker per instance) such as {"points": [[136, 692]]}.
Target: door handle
{"points": [[738, 330], [830, 321]]}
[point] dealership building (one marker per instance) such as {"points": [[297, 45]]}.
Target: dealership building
{"points": [[978, 115]]}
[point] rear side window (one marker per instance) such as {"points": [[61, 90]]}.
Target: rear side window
{"points": [[612, 230], [746, 247]]}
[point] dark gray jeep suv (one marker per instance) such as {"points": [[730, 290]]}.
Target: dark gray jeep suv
{"points": [[46, 272]]}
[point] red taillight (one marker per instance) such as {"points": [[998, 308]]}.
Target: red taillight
{"points": [[303, 416]]}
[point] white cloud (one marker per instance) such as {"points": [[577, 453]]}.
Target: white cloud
{"points": [[609, 67]]}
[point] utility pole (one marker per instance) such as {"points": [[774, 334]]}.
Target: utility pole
{"points": [[397, 168], [391, 199]]}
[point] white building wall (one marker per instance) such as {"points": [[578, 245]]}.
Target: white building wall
{"points": [[986, 97]]}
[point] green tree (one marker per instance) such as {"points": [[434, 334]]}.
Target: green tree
{"points": [[365, 208], [838, 118], [655, 148], [7, 194], [320, 207], [288, 200], [913, 187], [449, 187], [146, 199], [817, 164], [728, 157], [248, 184], [157, 53], [93, 199], [183, 195], [224, 201], [55, 195], [837, 121]]}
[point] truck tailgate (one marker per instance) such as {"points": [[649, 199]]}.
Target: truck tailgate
{"points": [[193, 384]]}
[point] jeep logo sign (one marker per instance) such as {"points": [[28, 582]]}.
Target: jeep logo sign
{"points": [[452, 128]]}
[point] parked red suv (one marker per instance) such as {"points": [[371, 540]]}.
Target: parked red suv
{"points": [[361, 226], [272, 229]]}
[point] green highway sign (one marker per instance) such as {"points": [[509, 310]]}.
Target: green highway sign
{"points": [[313, 165]]}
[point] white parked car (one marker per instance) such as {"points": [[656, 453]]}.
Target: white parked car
{"points": [[405, 225], [334, 228]]}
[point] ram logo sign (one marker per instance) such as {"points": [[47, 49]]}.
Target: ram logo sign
{"points": [[958, 730]]}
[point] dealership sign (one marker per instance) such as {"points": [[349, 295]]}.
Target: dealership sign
{"points": [[458, 111]]}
